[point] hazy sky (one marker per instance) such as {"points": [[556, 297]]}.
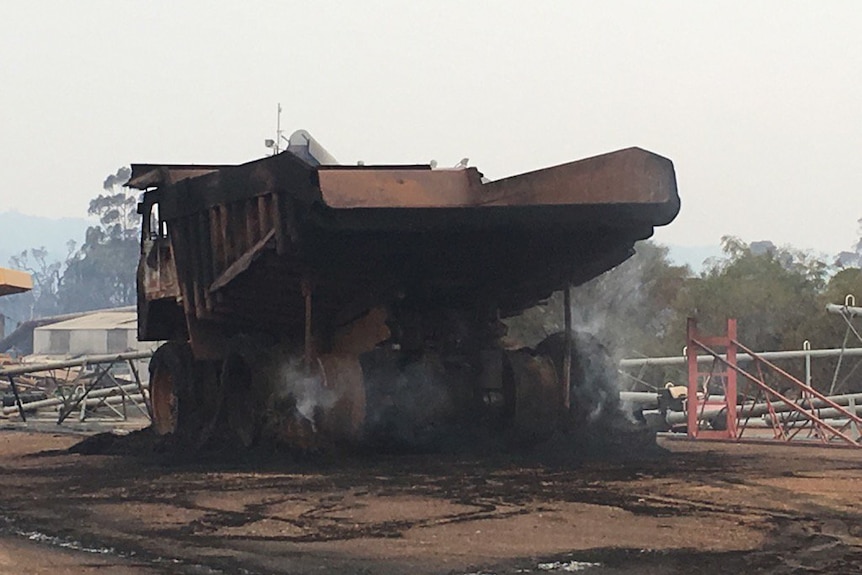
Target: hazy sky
{"points": [[759, 104]]}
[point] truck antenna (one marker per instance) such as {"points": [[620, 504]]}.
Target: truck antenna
{"points": [[275, 145], [278, 134]]}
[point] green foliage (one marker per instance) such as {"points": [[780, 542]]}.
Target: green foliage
{"points": [[102, 273], [824, 330], [777, 295], [845, 282], [771, 293], [629, 309], [44, 299]]}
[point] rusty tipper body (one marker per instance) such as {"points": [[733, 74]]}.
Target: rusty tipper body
{"points": [[364, 273]]}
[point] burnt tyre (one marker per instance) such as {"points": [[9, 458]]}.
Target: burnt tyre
{"points": [[536, 397], [183, 392], [593, 394], [170, 379], [239, 405], [245, 384]]}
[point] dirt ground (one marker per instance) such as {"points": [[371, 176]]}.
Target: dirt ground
{"points": [[687, 508]]}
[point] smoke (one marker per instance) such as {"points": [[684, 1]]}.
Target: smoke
{"points": [[410, 403], [605, 314], [608, 315], [296, 403], [306, 389], [389, 401]]}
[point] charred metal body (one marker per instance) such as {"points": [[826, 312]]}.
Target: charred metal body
{"points": [[380, 271]]}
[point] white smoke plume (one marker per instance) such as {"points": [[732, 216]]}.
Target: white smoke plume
{"points": [[608, 314], [305, 389]]}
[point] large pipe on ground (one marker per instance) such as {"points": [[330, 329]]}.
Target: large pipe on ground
{"points": [[642, 399], [740, 357], [57, 401], [78, 362], [845, 310], [762, 408], [827, 413], [761, 423]]}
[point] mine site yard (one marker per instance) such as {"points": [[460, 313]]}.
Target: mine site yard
{"points": [[376, 369], [632, 505]]}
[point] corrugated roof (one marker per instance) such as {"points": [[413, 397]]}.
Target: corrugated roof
{"points": [[99, 320]]}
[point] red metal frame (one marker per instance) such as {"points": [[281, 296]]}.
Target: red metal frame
{"points": [[695, 342], [808, 416]]}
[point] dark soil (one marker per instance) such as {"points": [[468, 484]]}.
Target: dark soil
{"points": [[608, 504]]}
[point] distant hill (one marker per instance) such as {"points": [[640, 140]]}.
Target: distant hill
{"points": [[19, 232]]}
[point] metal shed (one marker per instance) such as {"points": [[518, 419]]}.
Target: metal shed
{"points": [[97, 333]]}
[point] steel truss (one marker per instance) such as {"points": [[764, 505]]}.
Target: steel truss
{"points": [[86, 392], [841, 425]]}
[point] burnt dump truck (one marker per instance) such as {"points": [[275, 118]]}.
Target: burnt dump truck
{"points": [[311, 303]]}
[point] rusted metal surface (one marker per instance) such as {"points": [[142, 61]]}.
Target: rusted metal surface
{"points": [[380, 187], [157, 270], [233, 246], [153, 175], [342, 375], [631, 176], [242, 263], [163, 399]]}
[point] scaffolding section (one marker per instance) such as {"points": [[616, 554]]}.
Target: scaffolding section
{"points": [[723, 402], [83, 385]]}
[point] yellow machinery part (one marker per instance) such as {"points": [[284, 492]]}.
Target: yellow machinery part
{"points": [[13, 281]]}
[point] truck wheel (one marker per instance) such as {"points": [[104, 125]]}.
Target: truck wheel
{"points": [[534, 387], [169, 373], [594, 391]]}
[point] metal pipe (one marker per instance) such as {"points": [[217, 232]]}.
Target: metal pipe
{"points": [[807, 390], [845, 310], [56, 401], [18, 405], [78, 362], [840, 359], [89, 387], [793, 354], [827, 413], [643, 399], [140, 387], [795, 424], [762, 408], [114, 400], [89, 402]]}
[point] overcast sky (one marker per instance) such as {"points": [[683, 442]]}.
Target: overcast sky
{"points": [[759, 104]]}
